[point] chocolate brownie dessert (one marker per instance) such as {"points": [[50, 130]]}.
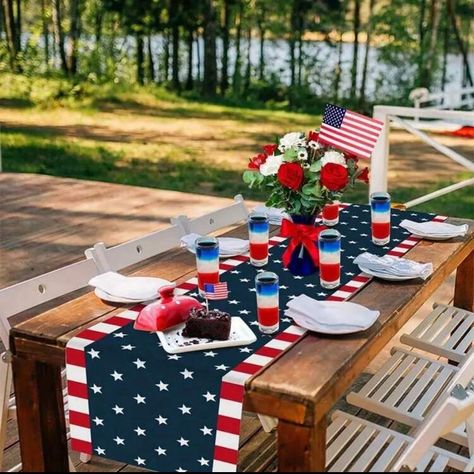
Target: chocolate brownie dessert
{"points": [[204, 324]]}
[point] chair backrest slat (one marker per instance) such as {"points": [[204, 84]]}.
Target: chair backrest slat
{"points": [[215, 220], [446, 415], [41, 289], [136, 250]]}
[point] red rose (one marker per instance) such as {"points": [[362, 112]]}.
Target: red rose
{"points": [[364, 175], [270, 149], [257, 161], [334, 177], [313, 136], [291, 175]]}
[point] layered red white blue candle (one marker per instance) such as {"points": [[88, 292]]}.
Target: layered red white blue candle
{"points": [[381, 216], [207, 261], [268, 306], [331, 214], [329, 245], [259, 229]]}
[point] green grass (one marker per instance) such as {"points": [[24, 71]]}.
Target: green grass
{"points": [[30, 153], [53, 126]]}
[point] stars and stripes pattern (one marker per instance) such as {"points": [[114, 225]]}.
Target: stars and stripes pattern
{"points": [[216, 291], [132, 402], [349, 131]]}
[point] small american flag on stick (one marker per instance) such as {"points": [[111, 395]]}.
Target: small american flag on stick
{"points": [[216, 291], [349, 131]]}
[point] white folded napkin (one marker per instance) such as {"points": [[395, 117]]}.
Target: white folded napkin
{"points": [[330, 316], [133, 288], [394, 266], [227, 245], [435, 229], [274, 214]]}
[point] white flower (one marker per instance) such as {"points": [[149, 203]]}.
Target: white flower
{"points": [[333, 157], [302, 154], [314, 145], [271, 166], [292, 140]]}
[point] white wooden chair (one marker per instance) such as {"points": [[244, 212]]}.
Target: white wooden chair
{"points": [[136, 250], [407, 387], [447, 332], [215, 220], [358, 445], [23, 296], [456, 409]]}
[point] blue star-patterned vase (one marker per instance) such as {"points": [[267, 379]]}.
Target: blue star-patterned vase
{"points": [[301, 263]]}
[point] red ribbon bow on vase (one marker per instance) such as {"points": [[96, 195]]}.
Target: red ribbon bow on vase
{"points": [[301, 234]]}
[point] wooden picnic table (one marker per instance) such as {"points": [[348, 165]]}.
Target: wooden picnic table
{"points": [[299, 388]]}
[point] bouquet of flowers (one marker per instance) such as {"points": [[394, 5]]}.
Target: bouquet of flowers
{"points": [[302, 175]]}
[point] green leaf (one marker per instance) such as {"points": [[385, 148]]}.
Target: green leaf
{"points": [[249, 176], [316, 166], [290, 155]]}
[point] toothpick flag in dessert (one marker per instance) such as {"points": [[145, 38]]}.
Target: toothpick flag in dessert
{"points": [[216, 291], [349, 131]]}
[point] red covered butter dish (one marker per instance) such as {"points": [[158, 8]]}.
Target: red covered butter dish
{"points": [[169, 311]]}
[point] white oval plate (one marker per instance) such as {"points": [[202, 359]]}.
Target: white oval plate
{"points": [[384, 276]]}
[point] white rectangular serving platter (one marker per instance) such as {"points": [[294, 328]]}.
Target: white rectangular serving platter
{"points": [[173, 341]]}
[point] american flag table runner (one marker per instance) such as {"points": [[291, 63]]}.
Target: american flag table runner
{"points": [[349, 131], [132, 402]]}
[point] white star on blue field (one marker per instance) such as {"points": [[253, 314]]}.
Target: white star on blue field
{"points": [[159, 411]]}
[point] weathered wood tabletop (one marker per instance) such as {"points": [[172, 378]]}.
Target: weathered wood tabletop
{"points": [[299, 388]]}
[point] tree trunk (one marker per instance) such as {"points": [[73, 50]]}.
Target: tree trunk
{"points": [[44, 23], [430, 63], [10, 31], [300, 58], [210, 61], [338, 71], [98, 23], [461, 46], [248, 71], [238, 53], [355, 50], [166, 56], [175, 37], [18, 25], [198, 58], [292, 41], [225, 48], [74, 35], [59, 35], [445, 55], [261, 67], [362, 93], [150, 61], [189, 80], [140, 58], [262, 31]]}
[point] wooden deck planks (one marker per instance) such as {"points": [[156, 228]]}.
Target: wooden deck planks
{"points": [[48, 222]]}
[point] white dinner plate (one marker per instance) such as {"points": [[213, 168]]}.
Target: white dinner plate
{"points": [[437, 237], [173, 341], [328, 330], [385, 276], [115, 299]]}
